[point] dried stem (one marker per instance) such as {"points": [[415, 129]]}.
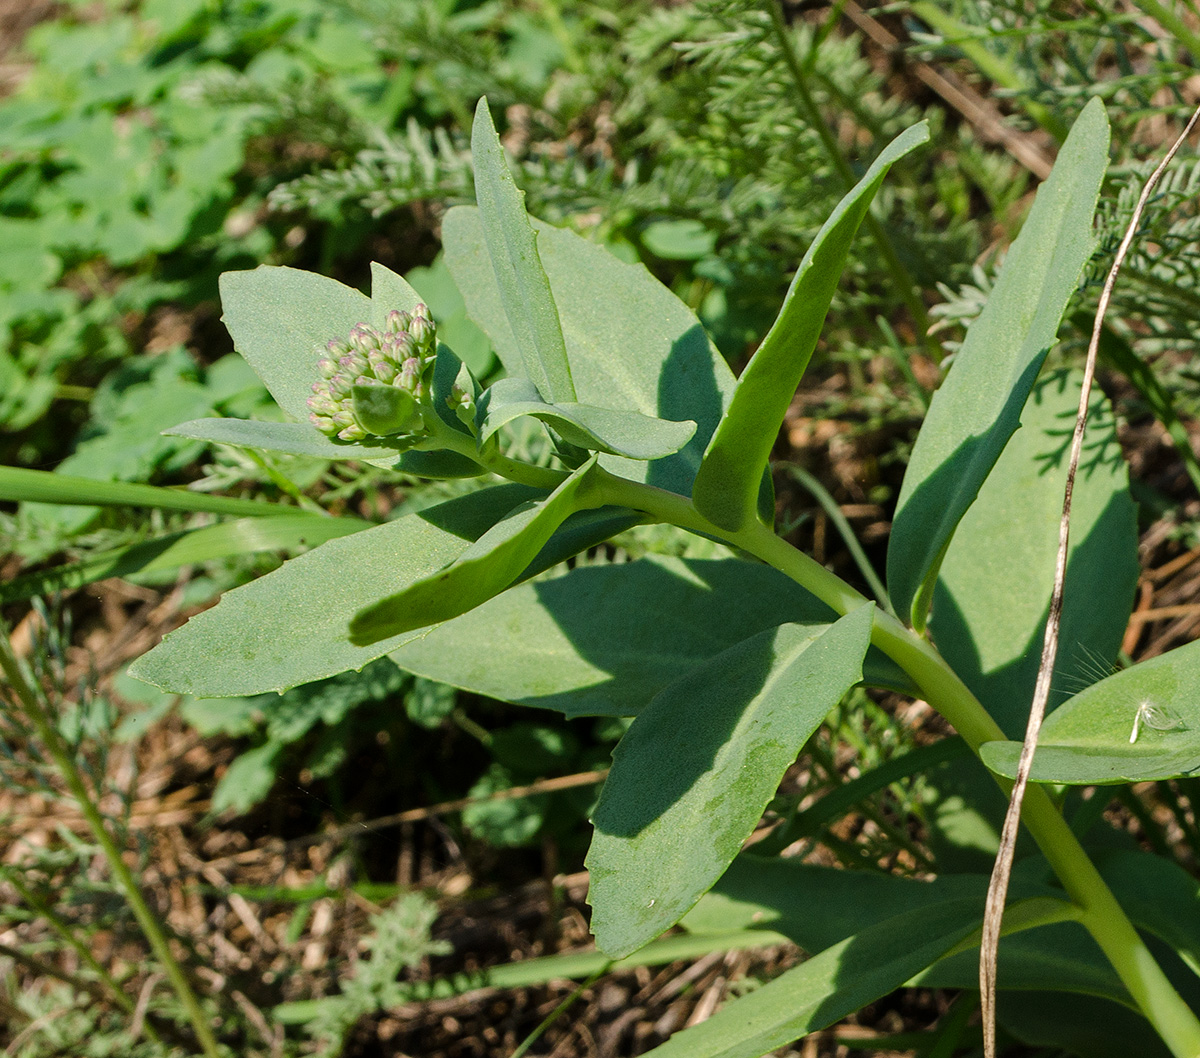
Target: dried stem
{"points": [[1002, 870]]}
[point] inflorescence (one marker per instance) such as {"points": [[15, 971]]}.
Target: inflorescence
{"points": [[401, 356]]}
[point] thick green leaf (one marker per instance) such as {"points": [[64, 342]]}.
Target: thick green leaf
{"points": [[240, 537], [1160, 897], [19, 484], [604, 640], [280, 320], [829, 986], [780, 895], [697, 767], [298, 438], [993, 591], [483, 570], [389, 291], [634, 346], [1053, 1022], [384, 410], [623, 433], [1087, 739], [289, 627], [513, 248], [978, 407], [726, 489]]}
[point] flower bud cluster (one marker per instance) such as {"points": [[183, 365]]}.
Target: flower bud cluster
{"points": [[401, 355]]}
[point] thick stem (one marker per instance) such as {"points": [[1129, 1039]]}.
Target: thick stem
{"points": [[31, 701], [944, 691]]}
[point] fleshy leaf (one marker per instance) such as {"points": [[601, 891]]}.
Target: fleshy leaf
{"points": [[301, 439], [280, 320], [694, 772], [978, 407], [726, 489], [651, 357], [829, 986], [384, 410], [485, 569], [512, 247], [622, 433], [604, 640], [993, 591], [259, 637], [389, 291], [1139, 724]]}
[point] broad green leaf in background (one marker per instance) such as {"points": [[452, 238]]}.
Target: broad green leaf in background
{"points": [[727, 484], [512, 245], [829, 986], [1086, 740], [617, 432], [239, 537], [486, 568], [280, 320], [438, 290], [978, 407], [298, 438], [289, 627], [388, 292], [633, 345], [1160, 896], [993, 590], [694, 772], [604, 640]]}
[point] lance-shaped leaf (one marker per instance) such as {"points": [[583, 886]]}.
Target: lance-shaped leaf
{"points": [[512, 247], [604, 640], [978, 407], [623, 433], [651, 357], [993, 591], [289, 627], [483, 570], [829, 986], [1139, 724], [726, 489], [694, 772], [297, 438]]}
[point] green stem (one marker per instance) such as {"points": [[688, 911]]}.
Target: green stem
{"points": [[60, 753], [445, 438], [834, 512], [1101, 914], [811, 114]]}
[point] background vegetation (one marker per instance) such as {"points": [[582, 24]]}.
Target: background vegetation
{"points": [[315, 857]]}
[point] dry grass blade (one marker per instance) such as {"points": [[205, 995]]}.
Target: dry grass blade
{"points": [[998, 887]]}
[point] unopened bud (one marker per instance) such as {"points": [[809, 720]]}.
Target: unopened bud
{"points": [[397, 321], [354, 363], [410, 374]]}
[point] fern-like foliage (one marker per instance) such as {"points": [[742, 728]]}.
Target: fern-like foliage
{"points": [[649, 115]]}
